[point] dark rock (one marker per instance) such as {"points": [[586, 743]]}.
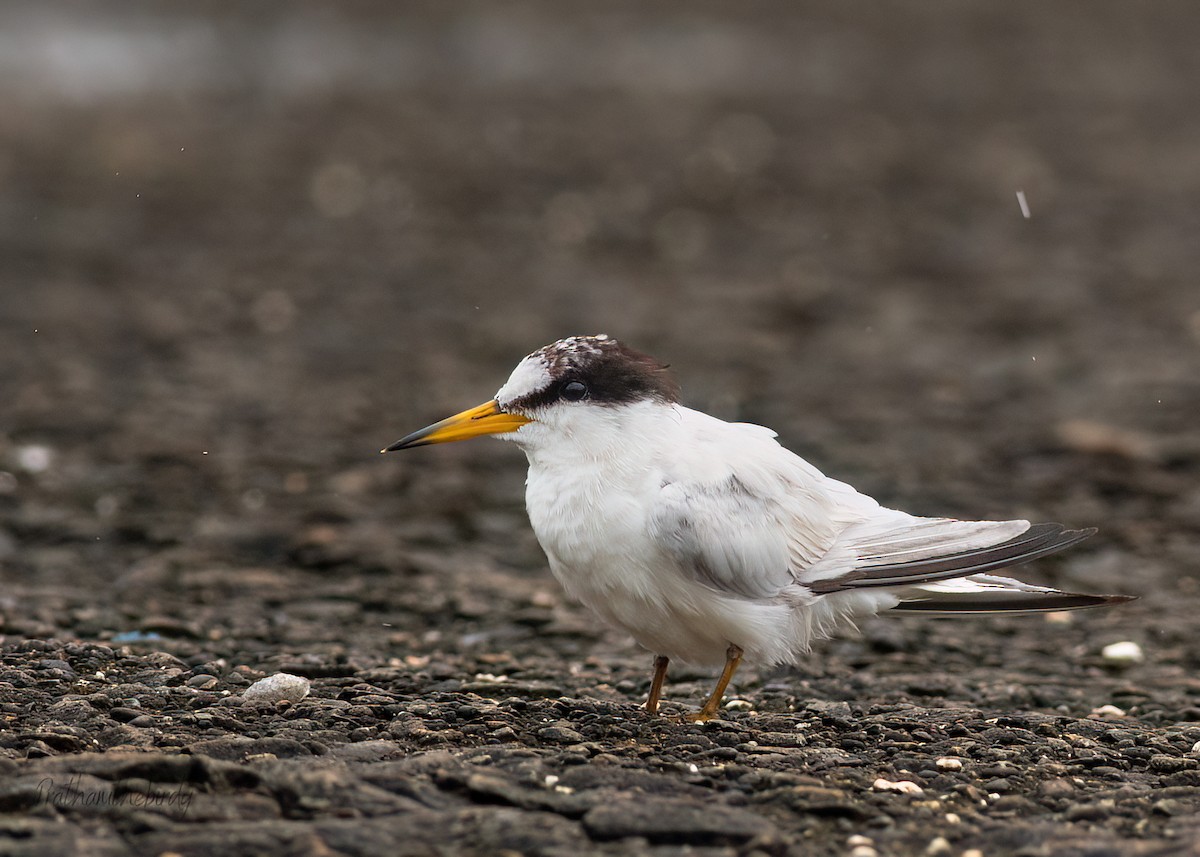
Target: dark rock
{"points": [[676, 822], [233, 749], [560, 735]]}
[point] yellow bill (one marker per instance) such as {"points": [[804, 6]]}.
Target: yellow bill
{"points": [[474, 422]]}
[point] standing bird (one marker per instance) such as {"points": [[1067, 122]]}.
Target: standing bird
{"points": [[708, 541]]}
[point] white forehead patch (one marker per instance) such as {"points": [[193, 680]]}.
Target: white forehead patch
{"points": [[532, 374]]}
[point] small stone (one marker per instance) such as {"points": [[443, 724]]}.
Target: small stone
{"points": [[739, 705], [34, 458], [1164, 764], [858, 839], [938, 845], [277, 688], [1125, 653], [906, 787], [1168, 807], [1089, 811], [1057, 788], [560, 735], [1195, 751], [1107, 712], [1097, 438], [948, 764]]}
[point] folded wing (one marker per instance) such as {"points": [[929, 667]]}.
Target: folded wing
{"points": [[911, 556], [760, 520]]}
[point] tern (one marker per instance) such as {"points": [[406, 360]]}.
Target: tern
{"points": [[708, 541]]}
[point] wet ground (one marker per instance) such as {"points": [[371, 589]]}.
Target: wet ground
{"points": [[240, 253]]}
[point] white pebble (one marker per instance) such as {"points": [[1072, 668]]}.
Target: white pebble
{"points": [[34, 458], [276, 688], [972, 852], [863, 851], [952, 818], [739, 705], [1195, 751], [1123, 653], [1107, 712], [938, 845], [948, 764], [858, 840], [904, 787]]}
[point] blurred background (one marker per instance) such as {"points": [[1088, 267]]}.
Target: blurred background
{"points": [[947, 250]]}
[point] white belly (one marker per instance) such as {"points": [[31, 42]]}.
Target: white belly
{"points": [[596, 537]]}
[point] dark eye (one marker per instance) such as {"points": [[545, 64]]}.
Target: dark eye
{"points": [[573, 391]]}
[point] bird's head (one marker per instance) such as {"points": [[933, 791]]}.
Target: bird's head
{"points": [[579, 388]]}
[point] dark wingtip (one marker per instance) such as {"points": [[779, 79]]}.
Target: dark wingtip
{"points": [[1028, 602], [1037, 541]]}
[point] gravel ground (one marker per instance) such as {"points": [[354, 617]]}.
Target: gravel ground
{"points": [[242, 251]]}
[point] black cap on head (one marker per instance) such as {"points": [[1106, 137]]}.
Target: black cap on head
{"points": [[599, 370]]}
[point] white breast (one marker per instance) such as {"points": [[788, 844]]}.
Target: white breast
{"points": [[590, 505]]}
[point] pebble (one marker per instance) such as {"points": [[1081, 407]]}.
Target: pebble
{"points": [[907, 787], [34, 458], [948, 764], [938, 845], [277, 688], [1125, 653], [560, 735], [1107, 712]]}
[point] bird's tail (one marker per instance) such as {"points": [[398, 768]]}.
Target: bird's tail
{"points": [[985, 593]]}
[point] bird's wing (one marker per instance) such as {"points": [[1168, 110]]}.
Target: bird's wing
{"points": [[751, 518], [743, 515], [925, 550], [986, 593], [725, 535]]}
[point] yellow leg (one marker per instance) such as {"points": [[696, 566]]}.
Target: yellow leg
{"points": [[733, 657], [656, 684]]}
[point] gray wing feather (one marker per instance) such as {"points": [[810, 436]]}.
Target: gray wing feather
{"points": [[766, 520], [985, 593], [1037, 541], [726, 536]]}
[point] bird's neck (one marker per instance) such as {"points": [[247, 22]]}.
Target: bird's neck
{"points": [[610, 443]]}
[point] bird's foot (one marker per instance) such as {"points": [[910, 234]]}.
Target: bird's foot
{"points": [[703, 715]]}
